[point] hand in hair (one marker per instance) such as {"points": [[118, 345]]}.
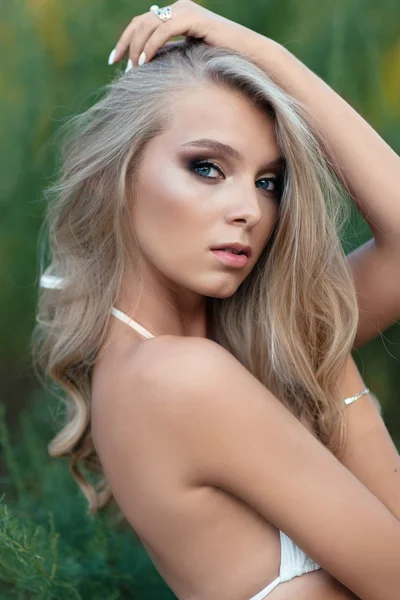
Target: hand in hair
{"points": [[147, 33]]}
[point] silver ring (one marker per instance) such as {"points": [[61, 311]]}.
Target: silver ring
{"points": [[164, 13]]}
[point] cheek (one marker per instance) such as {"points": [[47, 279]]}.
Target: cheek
{"points": [[166, 212], [267, 226], [270, 216]]}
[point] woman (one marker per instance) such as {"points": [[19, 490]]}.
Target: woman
{"points": [[220, 414]]}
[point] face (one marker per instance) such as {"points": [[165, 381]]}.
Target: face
{"points": [[194, 195]]}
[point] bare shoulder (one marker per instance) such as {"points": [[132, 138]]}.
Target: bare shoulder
{"points": [[230, 432], [188, 383], [168, 377], [164, 353], [179, 364], [198, 381]]}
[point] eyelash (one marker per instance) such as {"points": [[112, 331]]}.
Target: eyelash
{"points": [[194, 164]]}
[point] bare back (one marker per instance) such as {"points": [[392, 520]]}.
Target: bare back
{"points": [[205, 542]]}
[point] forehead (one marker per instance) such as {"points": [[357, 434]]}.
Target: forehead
{"points": [[210, 111]]}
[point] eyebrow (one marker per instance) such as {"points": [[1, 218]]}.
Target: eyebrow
{"points": [[229, 152]]}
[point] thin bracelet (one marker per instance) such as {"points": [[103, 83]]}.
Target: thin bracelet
{"points": [[353, 398]]}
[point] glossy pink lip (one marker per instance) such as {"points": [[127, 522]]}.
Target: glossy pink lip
{"points": [[231, 260]]}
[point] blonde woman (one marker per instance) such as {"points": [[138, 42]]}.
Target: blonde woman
{"points": [[200, 314]]}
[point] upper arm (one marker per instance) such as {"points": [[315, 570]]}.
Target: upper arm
{"points": [[237, 436], [376, 273], [369, 450]]}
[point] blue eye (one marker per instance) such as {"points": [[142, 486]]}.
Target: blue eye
{"points": [[201, 168], [272, 184], [197, 166]]}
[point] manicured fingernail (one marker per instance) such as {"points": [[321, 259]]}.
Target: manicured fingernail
{"points": [[142, 59], [129, 66], [111, 57]]}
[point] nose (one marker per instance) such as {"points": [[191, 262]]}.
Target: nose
{"points": [[244, 206]]}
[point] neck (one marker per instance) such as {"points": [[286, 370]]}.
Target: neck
{"points": [[164, 311]]}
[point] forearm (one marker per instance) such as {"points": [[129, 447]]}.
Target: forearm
{"points": [[367, 165]]}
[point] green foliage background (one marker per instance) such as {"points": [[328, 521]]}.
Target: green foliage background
{"points": [[53, 61]]}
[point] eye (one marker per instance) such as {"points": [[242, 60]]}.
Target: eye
{"points": [[202, 168], [272, 184]]}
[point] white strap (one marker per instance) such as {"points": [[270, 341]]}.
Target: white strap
{"points": [[55, 283], [266, 590], [123, 317]]}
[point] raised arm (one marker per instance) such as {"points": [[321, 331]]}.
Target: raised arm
{"points": [[367, 165], [235, 435], [370, 170]]}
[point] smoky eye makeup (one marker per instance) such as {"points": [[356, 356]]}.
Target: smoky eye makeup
{"points": [[195, 165], [201, 165]]}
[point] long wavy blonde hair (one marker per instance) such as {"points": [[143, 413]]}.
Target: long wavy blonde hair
{"points": [[291, 323]]}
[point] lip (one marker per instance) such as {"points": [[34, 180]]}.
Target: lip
{"points": [[234, 246], [237, 261]]}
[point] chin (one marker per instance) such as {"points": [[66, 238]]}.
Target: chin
{"points": [[224, 289], [214, 285]]}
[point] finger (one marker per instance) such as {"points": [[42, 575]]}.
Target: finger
{"points": [[166, 47], [124, 42], [160, 36], [174, 44], [143, 30]]}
